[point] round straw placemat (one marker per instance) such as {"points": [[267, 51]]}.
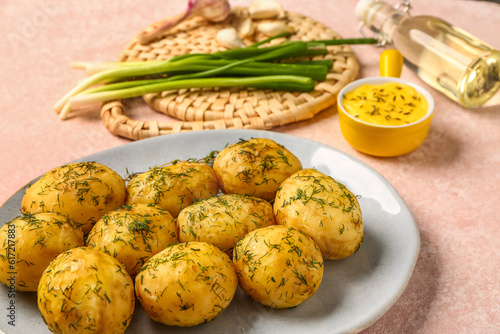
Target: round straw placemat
{"points": [[229, 108]]}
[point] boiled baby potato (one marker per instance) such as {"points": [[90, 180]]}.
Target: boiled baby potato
{"points": [[223, 220], [85, 290], [186, 284], [173, 187], [84, 191], [30, 243], [255, 167], [322, 208], [133, 234], [278, 266]]}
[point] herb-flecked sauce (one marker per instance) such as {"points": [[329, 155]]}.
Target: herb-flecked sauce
{"points": [[391, 103]]}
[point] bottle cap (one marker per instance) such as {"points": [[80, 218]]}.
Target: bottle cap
{"points": [[391, 63]]}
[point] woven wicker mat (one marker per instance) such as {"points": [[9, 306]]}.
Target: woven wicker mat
{"points": [[228, 108]]}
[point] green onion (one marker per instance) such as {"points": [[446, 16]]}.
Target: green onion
{"points": [[261, 67], [281, 82]]}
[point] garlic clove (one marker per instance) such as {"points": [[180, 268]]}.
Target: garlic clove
{"points": [[229, 38], [271, 28], [246, 28], [265, 9]]}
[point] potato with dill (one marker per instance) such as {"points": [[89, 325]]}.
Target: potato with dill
{"points": [[255, 167], [186, 284], [173, 187], [30, 243], [84, 191], [278, 266], [133, 234], [322, 208], [223, 220], [85, 290]]}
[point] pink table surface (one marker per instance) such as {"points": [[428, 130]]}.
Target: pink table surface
{"points": [[450, 183]]}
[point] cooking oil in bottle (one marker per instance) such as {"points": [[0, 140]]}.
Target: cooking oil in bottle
{"points": [[447, 58]]}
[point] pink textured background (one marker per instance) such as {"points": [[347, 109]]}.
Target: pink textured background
{"points": [[450, 183]]}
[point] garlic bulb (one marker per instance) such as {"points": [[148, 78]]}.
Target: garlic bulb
{"points": [[212, 10]]}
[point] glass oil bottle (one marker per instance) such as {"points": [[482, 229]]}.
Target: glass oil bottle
{"points": [[447, 58]]}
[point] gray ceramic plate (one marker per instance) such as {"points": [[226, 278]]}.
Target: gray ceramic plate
{"points": [[355, 292]]}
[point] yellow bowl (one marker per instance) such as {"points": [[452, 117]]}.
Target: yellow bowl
{"points": [[383, 140]]}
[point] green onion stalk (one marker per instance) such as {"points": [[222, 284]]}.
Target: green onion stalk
{"points": [[273, 67]]}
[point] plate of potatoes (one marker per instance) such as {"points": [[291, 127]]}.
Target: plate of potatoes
{"points": [[219, 231]]}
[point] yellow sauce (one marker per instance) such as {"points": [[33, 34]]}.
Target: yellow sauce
{"points": [[391, 103]]}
